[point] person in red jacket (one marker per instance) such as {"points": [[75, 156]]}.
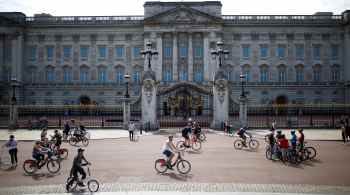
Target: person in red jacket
{"points": [[284, 145]]}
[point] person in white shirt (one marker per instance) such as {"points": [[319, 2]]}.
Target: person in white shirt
{"points": [[131, 131], [168, 150], [11, 145]]}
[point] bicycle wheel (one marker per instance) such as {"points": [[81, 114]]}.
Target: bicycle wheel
{"points": [[183, 166], [63, 153], [196, 145], [72, 141], [71, 184], [30, 166], [253, 144], [238, 144], [180, 145], [268, 153], [311, 152], [85, 141], [93, 185], [53, 166], [202, 137], [160, 166]]}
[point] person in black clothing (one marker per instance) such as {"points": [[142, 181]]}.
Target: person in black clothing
{"points": [[57, 137], [347, 128], [186, 134], [66, 130], [197, 130], [77, 167]]}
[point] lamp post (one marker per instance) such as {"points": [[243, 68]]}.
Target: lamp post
{"points": [[13, 118], [127, 78], [242, 77], [148, 53], [219, 52]]}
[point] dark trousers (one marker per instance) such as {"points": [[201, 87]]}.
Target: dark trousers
{"points": [[131, 135], [79, 170], [13, 154]]}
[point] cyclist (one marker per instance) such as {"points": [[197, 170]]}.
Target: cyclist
{"points": [[279, 134], [57, 137], [301, 138], [283, 144], [77, 167], [38, 153], [197, 130], [168, 150], [79, 132], [272, 141], [185, 133], [242, 134], [43, 134]]}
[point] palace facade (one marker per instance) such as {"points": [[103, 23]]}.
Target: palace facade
{"points": [[71, 59]]}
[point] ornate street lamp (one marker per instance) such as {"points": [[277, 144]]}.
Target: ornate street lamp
{"points": [[13, 84], [127, 78], [219, 52], [242, 77], [148, 53]]}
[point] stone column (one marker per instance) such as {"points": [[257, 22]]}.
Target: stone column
{"points": [[159, 69], [17, 56], [220, 100], [13, 117], [175, 58], [190, 58], [243, 112], [149, 101], [206, 53], [126, 113]]}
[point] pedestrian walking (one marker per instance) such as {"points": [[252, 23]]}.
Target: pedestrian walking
{"points": [[43, 134], [131, 131], [11, 145], [347, 128], [66, 130]]}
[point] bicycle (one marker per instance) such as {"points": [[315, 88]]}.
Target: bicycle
{"points": [[92, 184], [292, 155], [195, 144], [309, 152], [253, 144], [182, 166], [30, 166], [74, 140]]}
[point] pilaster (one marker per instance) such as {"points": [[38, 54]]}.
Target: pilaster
{"points": [[190, 57], [175, 58]]}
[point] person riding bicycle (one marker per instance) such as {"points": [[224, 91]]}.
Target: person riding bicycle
{"points": [[279, 134], [79, 133], [57, 137], [242, 134], [185, 134], [197, 130], [293, 140], [301, 139], [43, 134], [168, 150], [39, 152], [77, 167]]}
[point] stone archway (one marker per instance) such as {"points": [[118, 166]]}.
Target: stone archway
{"points": [[84, 100]]}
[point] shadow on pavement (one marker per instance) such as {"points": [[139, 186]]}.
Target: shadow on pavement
{"points": [[194, 152], [40, 176], [179, 177]]}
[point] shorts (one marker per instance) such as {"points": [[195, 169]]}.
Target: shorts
{"points": [[167, 153]]}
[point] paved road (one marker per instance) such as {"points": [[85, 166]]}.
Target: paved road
{"points": [[120, 162]]}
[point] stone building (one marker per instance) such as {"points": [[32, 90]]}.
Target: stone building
{"points": [[72, 59]]}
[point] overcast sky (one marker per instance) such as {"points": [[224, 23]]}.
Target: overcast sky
{"points": [[135, 7]]}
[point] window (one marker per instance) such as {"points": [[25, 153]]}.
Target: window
{"points": [[316, 50], [247, 75], [102, 75], [119, 52], [299, 74], [282, 75], [263, 74], [334, 52], [281, 51], [198, 52], [299, 52], [335, 73], [83, 75], [119, 76], [136, 52], [67, 75], [84, 50], [49, 53], [245, 51], [230, 75], [317, 73], [32, 53], [198, 76], [183, 75], [102, 52], [50, 75], [183, 52], [168, 52], [136, 77], [263, 51], [32, 75], [67, 50], [167, 76]]}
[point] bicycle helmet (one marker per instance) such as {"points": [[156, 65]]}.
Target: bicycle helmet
{"points": [[12, 136], [300, 130], [292, 132]]}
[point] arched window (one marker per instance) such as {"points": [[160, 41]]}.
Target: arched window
{"points": [[282, 73], [84, 73], [50, 74], [246, 72], [335, 71], [67, 74], [119, 74], [136, 75], [102, 74], [264, 73], [316, 73], [299, 69]]}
